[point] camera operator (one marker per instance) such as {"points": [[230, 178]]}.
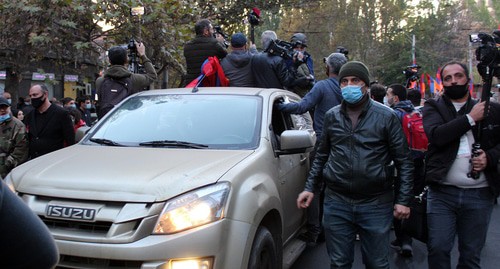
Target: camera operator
{"points": [[119, 73], [457, 203], [206, 43], [304, 62], [270, 70]]}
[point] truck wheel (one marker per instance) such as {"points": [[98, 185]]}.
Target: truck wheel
{"points": [[263, 254]]}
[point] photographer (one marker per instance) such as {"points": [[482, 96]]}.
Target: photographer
{"points": [[270, 70], [457, 203], [304, 64], [206, 43], [118, 74]]}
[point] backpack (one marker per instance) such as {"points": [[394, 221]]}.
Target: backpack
{"points": [[415, 135], [112, 92]]}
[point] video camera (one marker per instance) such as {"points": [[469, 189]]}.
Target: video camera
{"points": [[411, 72], [343, 50], [134, 65], [488, 52], [218, 30], [285, 50]]}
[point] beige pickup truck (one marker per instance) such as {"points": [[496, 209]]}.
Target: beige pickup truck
{"points": [[176, 179]]}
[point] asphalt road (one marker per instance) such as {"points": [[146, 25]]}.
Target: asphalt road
{"points": [[317, 258]]}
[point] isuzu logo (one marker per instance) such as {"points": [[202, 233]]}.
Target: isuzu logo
{"points": [[74, 213]]}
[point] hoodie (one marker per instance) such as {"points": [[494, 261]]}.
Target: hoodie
{"points": [[237, 68]]}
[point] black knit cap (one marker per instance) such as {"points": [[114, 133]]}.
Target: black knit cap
{"points": [[357, 69]]}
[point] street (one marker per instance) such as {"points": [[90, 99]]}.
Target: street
{"points": [[317, 257]]}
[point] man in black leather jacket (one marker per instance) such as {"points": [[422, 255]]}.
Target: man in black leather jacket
{"points": [[360, 139], [458, 204]]}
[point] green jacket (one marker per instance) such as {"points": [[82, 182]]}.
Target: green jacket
{"points": [[13, 145], [138, 81]]}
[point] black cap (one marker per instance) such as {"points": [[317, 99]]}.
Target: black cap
{"points": [[4, 102]]}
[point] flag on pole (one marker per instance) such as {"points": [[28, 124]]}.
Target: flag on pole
{"points": [[212, 75]]}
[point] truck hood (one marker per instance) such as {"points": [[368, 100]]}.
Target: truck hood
{"points": [[125, 174]]}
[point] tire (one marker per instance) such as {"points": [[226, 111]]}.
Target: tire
{"points": [[263, 254]]}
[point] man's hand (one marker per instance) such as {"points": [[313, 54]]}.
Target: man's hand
{"points": [[477, 112], [141, 50], [479, 162], [304, 200], [401, 211]]}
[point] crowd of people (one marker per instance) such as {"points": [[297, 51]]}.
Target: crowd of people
{"points": [[362, 165], [363, 174]]}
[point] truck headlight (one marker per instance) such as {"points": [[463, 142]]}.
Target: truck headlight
{"points": [[193, 209]]}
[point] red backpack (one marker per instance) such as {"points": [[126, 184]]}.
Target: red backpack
{"points": [[415, 134]]}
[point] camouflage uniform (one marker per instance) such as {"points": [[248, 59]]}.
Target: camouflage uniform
{"points": [[13, 145]]}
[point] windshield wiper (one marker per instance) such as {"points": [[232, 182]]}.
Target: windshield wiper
{"points": [[173, 143], [106, 142]]}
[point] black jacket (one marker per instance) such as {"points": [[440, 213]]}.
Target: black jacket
{"points": [[197, 51], [444, 127], [49, 131], [355, 163], [271, 71]]}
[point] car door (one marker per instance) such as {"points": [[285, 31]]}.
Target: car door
{"points": [[292, 168]]}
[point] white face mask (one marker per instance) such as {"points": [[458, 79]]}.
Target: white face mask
{"points": [[386, 101]]}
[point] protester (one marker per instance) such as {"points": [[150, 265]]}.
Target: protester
{"points": [[68, 102], [360, 138], [377, 92], [8, 97], [206, 43], [323, 96], [271, 71], [415, 98], [13, 142], [118, 82], [17, 113], [397, 99], [84, 105], [237, 64], [49, 126], [25, 242], [458, 203]]}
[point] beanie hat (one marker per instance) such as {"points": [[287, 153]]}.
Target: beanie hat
{"points": [[357, 69], [238, 40]]}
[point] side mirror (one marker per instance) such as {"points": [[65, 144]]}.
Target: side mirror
{"points": [[297, 141]]}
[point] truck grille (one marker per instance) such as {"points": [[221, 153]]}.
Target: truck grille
{"points": [[67, 261]]}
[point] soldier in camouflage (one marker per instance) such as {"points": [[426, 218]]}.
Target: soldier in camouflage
{"points": [[13, 140]]}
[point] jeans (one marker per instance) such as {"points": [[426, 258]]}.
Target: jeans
{"points": [[342, 221], [454, 211]]}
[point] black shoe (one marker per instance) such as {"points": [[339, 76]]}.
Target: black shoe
{"points": [[395, 244], [321, 237], [406, 250], [310, 238]]}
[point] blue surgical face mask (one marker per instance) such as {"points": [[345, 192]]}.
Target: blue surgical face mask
{"points": [[88, 106], [73, 105], [352, 94], [3, 118], [9, 101]]}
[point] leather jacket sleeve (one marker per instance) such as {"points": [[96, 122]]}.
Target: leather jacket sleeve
{"points": [[398, 149]]}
